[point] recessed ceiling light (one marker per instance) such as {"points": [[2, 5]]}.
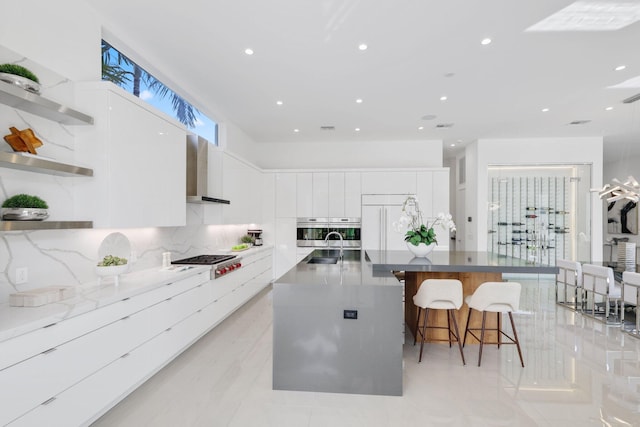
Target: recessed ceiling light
{"points": [[420, 127], [278, 102], [296, 130], [544, 110], [357, 129], [591, 16], [359, 101], [608, 108], [620, 68], [485, 41], [453, 144], [362, 46], [248, 51], [443, 98]]}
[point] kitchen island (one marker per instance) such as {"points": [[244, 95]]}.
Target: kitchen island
{"points": [[337, 327], [471, 268]]}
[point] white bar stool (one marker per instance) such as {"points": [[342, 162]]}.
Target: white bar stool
{"points": [[569, 276], [438, 294], [496, 297], [599, 280], [631, 295]]}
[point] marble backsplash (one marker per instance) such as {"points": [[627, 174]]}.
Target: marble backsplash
{"points": [[69, 257]]}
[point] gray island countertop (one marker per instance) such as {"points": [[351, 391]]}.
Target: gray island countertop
{"points": [[459, 262], [355, 270]]}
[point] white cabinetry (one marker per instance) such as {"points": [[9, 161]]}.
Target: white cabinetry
{"points": [[139, 161], [391, 182], [352, 195], [76, 370], [241, 185], [320, 194], [336, 195], [433, 192], [285, 195], [304, 195]]}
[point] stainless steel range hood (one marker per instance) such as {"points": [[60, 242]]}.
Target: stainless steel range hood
{"points": [[198, 171]]}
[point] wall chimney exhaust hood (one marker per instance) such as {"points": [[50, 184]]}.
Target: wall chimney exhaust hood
{"points": [[198, 171]]}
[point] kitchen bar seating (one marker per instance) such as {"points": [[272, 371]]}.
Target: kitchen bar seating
{"points": [[569, 276], [631, 296], [599, 281], [438, 294], [494, 297]]}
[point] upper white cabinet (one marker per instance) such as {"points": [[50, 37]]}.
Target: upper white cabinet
{"points": [[139, 161], [241, 185], [304, 194], [336, 194], [433, 191], [320, 194], [285, 184], [352, 195], [392, 182]]}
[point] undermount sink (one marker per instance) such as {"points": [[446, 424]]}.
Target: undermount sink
{"points": [[323, 260]]}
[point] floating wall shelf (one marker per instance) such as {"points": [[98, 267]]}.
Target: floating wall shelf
{"points": [[41, 165], [31, 103], [43, 225]]}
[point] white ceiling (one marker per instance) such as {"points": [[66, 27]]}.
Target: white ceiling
{"points": [[307, 56]]}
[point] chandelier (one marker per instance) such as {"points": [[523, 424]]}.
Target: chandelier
{"points": [[630, 189]]}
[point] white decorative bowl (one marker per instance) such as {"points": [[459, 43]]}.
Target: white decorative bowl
{"points": [[422, 250], [112, 271]]}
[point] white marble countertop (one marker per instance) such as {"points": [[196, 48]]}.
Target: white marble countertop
{"points": [[15, 321]]}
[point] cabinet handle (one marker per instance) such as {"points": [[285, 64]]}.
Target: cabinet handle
{"points": [[125, 355], [46, 402], [48, 326], [51, 350], [168, 329], [125, 299], [169, 299], [125, 318]]}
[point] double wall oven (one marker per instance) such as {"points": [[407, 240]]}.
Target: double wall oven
{"points": [[311, 232]]}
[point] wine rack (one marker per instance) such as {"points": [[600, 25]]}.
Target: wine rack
{"points": [[530, 217]]}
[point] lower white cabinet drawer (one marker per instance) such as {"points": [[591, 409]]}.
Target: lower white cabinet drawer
{"points": [[86, 401]]}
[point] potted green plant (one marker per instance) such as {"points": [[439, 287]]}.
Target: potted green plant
{"points": [[247, 239], [421, 236], [20, 76], [24, 207]]}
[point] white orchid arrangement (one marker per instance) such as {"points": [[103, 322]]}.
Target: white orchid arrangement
{"points": [[416, 230]]}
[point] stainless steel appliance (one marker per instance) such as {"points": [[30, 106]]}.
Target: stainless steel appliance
{"points": [[221, 264], [257, 236], [311, 232]]}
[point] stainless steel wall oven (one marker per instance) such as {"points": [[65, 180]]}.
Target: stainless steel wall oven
{"points": [[311, 232]]}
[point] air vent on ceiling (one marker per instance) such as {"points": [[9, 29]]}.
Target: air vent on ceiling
{"points": [[579, 122], [631, 99], [444, 125], [327, 128]]}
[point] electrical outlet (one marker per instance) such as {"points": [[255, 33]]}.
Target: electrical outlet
{"points": [[22, 275]]}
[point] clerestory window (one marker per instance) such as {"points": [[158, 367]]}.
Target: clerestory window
{"points": [[121, 70]]}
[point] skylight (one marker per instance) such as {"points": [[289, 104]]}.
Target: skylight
{"points": [[591, 16]]}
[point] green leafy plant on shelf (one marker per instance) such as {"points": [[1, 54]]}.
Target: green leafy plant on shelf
{"points": [[18, 70], [25, 201]]}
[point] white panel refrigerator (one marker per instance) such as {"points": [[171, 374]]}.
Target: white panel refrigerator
{"points": [[379, 212]]}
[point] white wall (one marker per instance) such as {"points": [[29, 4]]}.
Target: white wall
{"points": [[587, 150], [367, 154]]}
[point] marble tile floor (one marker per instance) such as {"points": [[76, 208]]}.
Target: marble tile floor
{"points": [[579, 372]]}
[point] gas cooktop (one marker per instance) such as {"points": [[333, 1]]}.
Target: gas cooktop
{"points": [[204, 259]]}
